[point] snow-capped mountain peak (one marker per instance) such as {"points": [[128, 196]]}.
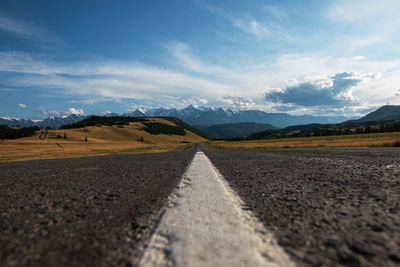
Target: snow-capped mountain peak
{"points": [[52, 121], [142, 110], [9, 118], [191, 115]]}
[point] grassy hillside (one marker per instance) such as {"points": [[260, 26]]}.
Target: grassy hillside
{"points": [[354, 140], [187, 127], [384, 113], [101, 140], [233, 130]]}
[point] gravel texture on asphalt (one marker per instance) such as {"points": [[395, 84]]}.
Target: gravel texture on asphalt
{"points": [[326, 207], [95, 211]]}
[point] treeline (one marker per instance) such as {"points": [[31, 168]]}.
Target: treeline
{"points": [[321, 130], [161, 128], [106, 121], [394, 127], [13, 133]]}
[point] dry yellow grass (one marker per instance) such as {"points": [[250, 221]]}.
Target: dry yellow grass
{"points": [[102, 140], [356, 140]]}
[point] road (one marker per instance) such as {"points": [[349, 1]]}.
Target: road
{"points": [[325, 206], [206, 225], [94, 211]]}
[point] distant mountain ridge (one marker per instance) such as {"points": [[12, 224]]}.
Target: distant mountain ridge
{"points": [[384, 119], [384, 113], [53, 122], [207, 116], [234, 130]]}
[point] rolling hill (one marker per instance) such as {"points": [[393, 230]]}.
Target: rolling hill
{"points": [[101, 140], [384, 113], [234, 130]]}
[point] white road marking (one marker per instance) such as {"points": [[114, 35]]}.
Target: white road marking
{"points": [[206, 225]]}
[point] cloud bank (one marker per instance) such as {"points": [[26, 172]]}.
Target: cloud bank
{"points": [[193, 81], [334, 91]]}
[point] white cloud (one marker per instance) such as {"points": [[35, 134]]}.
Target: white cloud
{"points": [[22, 105], [260, 27], [253, 27], [23, 29], [276, 12], [240, 102], [243, 80], [330, 91], [203, 101], [178, 101], [109, 80], [6, 90], [366, 24], [207, 6], [21, 62], [365, 12], [182, 55], [91, 101], [357, 58]]}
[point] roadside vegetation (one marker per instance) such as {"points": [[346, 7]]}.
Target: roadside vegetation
{"points": [[385, 139]]}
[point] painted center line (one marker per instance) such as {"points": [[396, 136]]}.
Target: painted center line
{"points": [[206, 225]]}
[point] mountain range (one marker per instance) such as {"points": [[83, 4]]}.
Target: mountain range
{"points": [[207, 116], [384, 119], [53, 122]]}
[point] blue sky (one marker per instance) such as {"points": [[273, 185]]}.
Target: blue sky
{"points": [[302, 57]]}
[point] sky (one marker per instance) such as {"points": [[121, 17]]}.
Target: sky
{"points": [[333, 57]]}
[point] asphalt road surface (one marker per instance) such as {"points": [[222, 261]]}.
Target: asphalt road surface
{"points": [[206, 225], [325, 206], [95, 211]]}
